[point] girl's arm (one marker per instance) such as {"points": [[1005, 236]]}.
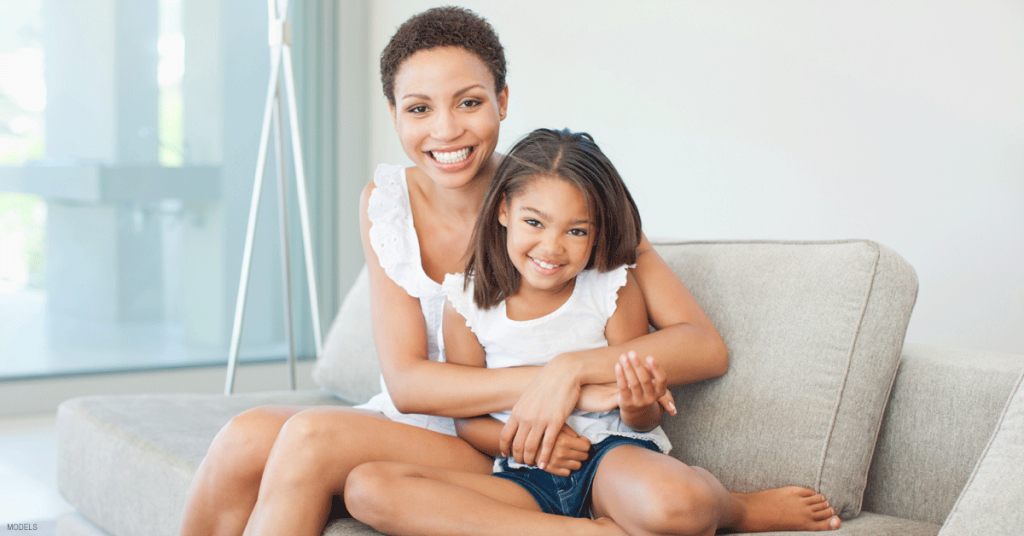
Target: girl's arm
{"points": [[686, 345], [463, 348], [416, 384]]}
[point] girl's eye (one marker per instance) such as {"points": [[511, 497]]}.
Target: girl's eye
{"points": [[578, 232], [533, 223]]}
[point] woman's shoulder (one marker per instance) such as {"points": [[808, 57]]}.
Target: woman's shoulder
{"points": [[392, 234]]}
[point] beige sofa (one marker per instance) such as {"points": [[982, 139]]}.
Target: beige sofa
{"points": [[821, 392]]}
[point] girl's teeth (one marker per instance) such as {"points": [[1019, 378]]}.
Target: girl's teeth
{"points": [[451, 157], [543, 264]]}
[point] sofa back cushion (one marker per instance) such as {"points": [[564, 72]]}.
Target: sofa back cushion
{"points": [[814, 331], [348, 366], [941, 413], [990, 504]]}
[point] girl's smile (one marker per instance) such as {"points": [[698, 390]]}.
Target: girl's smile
{"points": [[549, 236]]}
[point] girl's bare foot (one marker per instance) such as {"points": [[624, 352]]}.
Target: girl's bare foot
{"points": [[791, 508]]}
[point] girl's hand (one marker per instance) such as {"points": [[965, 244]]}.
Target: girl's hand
{"points": [[570, 451], [537, 418], [641, 386]]}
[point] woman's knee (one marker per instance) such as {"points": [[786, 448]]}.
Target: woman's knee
{"points": [[319, 442], [243, 445]]}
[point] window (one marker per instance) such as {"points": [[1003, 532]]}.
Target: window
{"points": [[129, 133]]}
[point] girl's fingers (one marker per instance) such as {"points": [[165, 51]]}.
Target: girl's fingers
{"points": [[625, 395], [636, 388], [646, 384], [668, 402], [508, 435], [657, 375]]}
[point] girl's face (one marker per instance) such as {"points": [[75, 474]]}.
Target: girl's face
{"points": [[550, 234], [447, 114]]}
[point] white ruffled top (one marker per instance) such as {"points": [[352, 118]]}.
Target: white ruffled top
{"points": [[394, 240], [577, 325]]}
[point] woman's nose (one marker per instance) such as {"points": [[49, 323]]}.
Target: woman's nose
{"points": [[446, 126]]}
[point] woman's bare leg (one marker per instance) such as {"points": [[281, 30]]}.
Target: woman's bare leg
{"points": [[223, 492], [317, 449], [648, 493], [415, 500]]}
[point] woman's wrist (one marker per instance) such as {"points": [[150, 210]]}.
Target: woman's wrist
{"points": [[569, 365]]}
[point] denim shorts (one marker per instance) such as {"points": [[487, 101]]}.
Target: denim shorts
{"points": [[567, 495]]}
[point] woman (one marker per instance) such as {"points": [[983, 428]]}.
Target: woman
{"points": [[274, 470]]}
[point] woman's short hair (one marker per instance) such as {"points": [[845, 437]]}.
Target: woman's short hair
{"points": [[559, 154], [447, 26]]}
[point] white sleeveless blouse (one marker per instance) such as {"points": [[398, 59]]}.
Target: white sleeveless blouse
{"points": [[394, 240], [577, 325]]}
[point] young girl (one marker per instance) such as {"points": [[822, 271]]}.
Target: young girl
{"points": [[548, 274]]}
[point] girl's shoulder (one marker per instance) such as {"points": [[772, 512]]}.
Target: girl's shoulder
{"points": [[459, 292], [602, 288]]}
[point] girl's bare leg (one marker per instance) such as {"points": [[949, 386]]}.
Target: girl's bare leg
{"points": [[223, 492], [648, 493], [317, 449], [415, 500]]}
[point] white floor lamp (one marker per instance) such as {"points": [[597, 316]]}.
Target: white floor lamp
{"points": [[282, 81]]}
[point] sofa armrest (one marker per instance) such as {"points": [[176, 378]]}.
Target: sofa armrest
{"points": [[942, 411]]}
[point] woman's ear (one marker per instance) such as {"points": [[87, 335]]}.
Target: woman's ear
{"points": [[503, 103], [503, 212], [394, 115]]}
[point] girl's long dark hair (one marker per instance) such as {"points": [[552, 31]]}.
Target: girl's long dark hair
{"points": [[569, 156]]}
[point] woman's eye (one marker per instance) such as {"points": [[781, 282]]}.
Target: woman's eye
{"points": [[470, 103], [417, 109]]}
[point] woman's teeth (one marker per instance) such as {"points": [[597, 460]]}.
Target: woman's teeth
{"points": [[451, 157]]}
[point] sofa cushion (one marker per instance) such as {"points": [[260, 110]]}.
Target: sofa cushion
{"points": [[125, 462], [814, 332], [348, 366], [990, 504], [943, 408]]}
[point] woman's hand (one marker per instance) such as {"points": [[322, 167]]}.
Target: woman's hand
{"points": [[537, 418], [570, 451]]}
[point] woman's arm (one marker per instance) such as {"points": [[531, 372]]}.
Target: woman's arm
{"points": [[686, 344], [416, 384]]}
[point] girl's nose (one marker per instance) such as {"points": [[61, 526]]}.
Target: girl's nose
{"points": [[553, 243], [446, 126]]}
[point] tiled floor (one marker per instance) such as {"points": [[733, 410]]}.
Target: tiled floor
{"points": [[28, 474]]}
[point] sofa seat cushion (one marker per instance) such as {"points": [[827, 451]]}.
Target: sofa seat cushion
{"points": [[814, 332], [126, 462]]}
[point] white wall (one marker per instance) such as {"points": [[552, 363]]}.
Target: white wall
{"points": [[900, 122]]}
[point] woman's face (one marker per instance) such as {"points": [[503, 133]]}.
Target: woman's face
{"points": [[447, 114]]}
